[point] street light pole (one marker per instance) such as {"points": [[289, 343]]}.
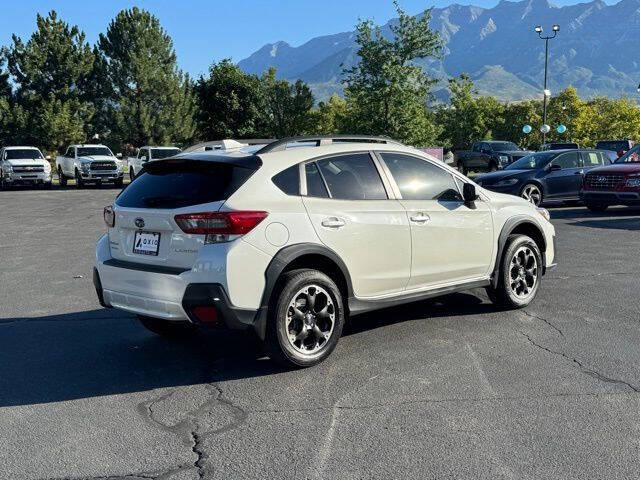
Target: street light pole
{"points": [[538, 29]]}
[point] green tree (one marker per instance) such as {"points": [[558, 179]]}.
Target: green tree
{"points": [[150, 101], [287, 107], [386, 92], [468, 118], [51, 73], [229, 103], [329, 118], [514, 117]]}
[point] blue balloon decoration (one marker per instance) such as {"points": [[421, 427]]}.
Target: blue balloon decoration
{"points": [[527, 129], [561, 129]]}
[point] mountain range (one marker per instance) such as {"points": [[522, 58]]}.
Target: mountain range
{"points": [[597, 50]]}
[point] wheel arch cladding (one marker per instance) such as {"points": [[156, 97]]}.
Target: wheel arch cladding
{"points": [[518, 225], [302, 255]]}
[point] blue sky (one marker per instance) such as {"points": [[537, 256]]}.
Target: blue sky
{"points": [[207, 31]]}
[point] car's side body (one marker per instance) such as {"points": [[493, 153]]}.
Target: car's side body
{"points": [[381, 248], [148, 154], [94, 168], [487, 156], [558, 180], [24, 166]]}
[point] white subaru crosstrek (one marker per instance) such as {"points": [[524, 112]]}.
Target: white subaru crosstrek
{"points": [[292, 238]]}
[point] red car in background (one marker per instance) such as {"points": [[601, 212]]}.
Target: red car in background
{"points": [[615, 184]]}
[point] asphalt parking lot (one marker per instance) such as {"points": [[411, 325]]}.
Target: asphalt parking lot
{"points": [[441, 389]]}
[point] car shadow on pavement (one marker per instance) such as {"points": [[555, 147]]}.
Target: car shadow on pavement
{"points": [[105, 352]]}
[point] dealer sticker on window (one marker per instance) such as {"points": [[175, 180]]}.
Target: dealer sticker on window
{"points": [[146, 243]]}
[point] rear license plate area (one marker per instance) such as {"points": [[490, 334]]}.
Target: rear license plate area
{"points": [[146, 243]]}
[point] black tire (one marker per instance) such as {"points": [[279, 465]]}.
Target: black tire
{"points": [[118, 183], [79, 180], [167, 328], [527, 192], [322, 331], [462, 168], [61, 178], [493, 167], [596, 207], [505, 294], [132, 176], [47, 186], [2, 184]]}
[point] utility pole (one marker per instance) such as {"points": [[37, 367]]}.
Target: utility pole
{"points": [[556, 28]]}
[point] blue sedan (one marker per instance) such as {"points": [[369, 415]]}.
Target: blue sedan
{"points": [[554, 175]]}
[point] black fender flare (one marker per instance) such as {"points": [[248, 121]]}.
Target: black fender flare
{"points": [[508, 227], [279, 263]]}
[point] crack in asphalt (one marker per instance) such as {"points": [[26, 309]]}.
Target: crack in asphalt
{"points": [[548, 322], [190, 428], [600, 274], [584, 369], [152, 475]]}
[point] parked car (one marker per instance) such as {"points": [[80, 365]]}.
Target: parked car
{"points": [[616, 184], [290, 241], [488, 156], [559, 146], [24, 166], [552, 175], [149, 154], [620, 147], [90, 164]]}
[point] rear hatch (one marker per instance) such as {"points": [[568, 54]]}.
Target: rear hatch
{"points": [[145, 229]]}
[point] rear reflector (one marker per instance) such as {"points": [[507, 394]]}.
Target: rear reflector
{"points": [[219, 223], [206, 314]]}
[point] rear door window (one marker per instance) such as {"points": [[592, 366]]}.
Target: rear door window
{"points": [[419, 179], [591, 159], [315, 184], [352, 177], [568, 160], [176, 184]]}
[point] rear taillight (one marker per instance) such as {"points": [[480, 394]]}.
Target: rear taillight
{"points": [[109, 216], [219, 226]]}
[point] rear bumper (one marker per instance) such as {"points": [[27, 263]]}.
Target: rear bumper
{"points": [[170, 293], [180, 309], [611, 197]]}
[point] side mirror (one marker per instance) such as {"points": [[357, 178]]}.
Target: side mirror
{"points": [[48, 157], [144, 158], [555, 168], [469, 193], [119, 155]]}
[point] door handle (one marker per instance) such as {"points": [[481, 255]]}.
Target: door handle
{"points": [[420, 218], [333, 222]]}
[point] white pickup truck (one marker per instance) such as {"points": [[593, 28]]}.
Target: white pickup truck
{"points": [[24, 166], [90, 164], [149, 154]]}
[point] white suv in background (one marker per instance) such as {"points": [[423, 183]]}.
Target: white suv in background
{"points": [[24, 166], [292, 238], [148, 154]]}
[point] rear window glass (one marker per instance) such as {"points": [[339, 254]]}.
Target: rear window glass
{"points": [[160, 153], [171, 184]]}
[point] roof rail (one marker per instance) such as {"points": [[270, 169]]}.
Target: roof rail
{"points": [[280, 145]]}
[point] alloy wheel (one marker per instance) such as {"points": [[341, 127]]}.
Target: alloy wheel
{"points": [[532, 194], [310, 319], [523, 272]]}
